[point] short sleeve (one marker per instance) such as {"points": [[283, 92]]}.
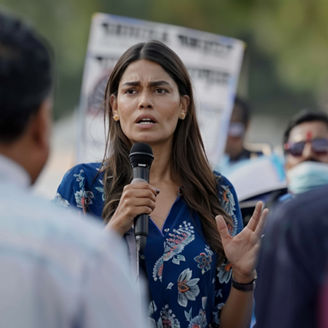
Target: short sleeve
{"points": [[82, 187], [229, 202]]}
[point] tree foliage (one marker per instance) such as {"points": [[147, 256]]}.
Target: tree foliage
{"points": [[285, 64]]}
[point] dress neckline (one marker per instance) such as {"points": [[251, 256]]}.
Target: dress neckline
{"points": [[167, 219]]}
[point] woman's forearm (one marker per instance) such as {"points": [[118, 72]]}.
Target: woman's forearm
{"points": [[237, 311]]}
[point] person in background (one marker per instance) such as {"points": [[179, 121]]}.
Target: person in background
{"points": [[235, 148], [194, 251], [305, 145], [292, 288], [56, 269], [242, 162]]}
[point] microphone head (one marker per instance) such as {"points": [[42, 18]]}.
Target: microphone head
{"points": [[141, 154]]}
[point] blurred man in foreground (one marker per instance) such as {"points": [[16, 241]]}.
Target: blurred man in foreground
{"points": [[306, 151], [292, 287], [56, 269]]}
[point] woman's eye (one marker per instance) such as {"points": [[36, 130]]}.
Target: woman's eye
{"points": [[130, 91], [161, 90]]}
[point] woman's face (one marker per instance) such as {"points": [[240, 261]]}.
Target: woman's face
{"points": [[148, 103]]}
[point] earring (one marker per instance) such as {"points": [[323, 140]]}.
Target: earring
{"points": [[182, 115], [116, 117]]}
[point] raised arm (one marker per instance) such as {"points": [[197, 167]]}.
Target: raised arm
{"points": [[241, 251]]}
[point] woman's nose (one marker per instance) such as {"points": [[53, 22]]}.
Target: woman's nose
{"points": [[145, 100]]}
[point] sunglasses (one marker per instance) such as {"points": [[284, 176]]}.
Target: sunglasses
{"points": [[319, 147]]}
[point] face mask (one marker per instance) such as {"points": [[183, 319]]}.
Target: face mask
{"points": [[306, 176]]}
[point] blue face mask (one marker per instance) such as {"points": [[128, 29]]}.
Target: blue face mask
{"points": [[306, 176]]}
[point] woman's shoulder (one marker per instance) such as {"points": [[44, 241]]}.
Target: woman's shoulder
{"points": [[229, 200], [82, 187], [225, 188], [223, 181], [82, 173], [85, 169]]}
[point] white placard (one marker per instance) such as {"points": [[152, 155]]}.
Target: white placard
{"points": [[245, 181], [212, 60]]}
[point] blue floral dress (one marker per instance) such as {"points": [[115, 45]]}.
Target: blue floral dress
{"points": [[186, 287]]}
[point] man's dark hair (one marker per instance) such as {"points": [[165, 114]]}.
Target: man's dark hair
{"points": [[25, 75], [244, 109], [302, 117]]}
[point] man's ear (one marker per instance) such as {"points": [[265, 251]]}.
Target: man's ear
{"points": [[35, 144], [40, 125]]}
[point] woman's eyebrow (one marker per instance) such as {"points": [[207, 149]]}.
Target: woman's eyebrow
{"points": [[151, 84], [132, 83], [158, 83]]}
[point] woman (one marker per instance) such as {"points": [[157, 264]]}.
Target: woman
{"points": [[190, 254]]}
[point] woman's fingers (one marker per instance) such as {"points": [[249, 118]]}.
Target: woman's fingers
{"points": [[137, 198], [222, 228], [136, 205], [257, 220], [261, 223], [142, 184], [139, 194], [254, 220]]}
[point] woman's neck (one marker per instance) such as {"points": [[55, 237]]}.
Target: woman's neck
{"points": [[161, 169]]}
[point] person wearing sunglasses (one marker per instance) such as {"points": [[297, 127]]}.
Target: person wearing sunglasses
{"points": [[306, 151]]}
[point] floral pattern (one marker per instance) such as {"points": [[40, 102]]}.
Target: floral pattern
{"points": [[83, 198], [204, 260], [186, 287], [198, 321], [83, 187], [229, 204], [101, 189], [173, 246], [61, 201], [168, 319], [224, 272]]}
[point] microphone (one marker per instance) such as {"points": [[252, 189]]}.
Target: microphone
{"points": [[141, 157]]}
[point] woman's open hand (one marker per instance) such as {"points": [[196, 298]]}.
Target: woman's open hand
{"points": [[242, 249]]}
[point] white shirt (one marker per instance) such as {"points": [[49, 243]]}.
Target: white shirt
{"points": [[58, 269], [11, 172]]}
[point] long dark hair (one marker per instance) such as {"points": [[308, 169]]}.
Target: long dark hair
{"points": [[188, 158]]}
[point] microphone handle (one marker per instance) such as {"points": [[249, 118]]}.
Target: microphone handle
{"points": [[141, 173], [141, 225], [141, 221]]}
